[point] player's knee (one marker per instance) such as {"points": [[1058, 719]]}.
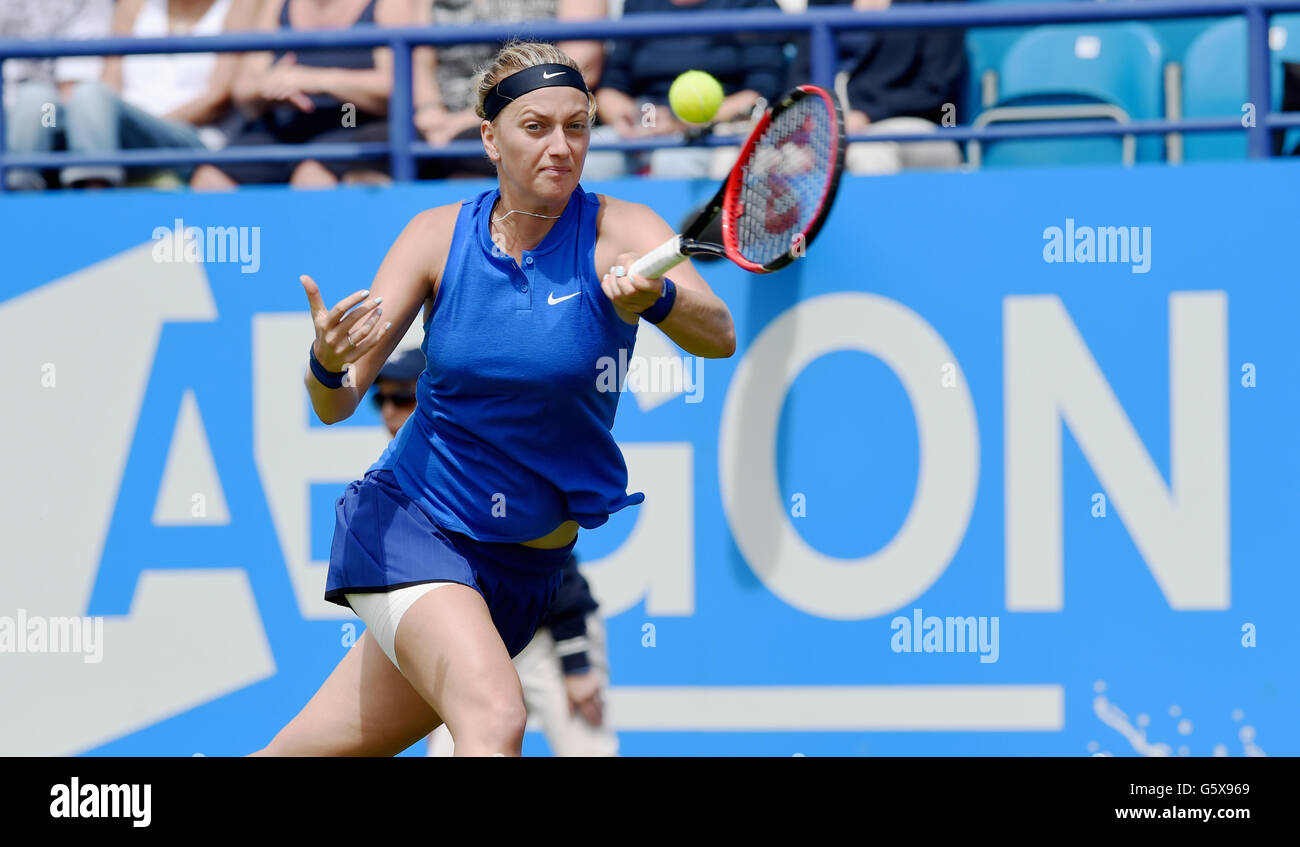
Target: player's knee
{"points": [[497, 726]]}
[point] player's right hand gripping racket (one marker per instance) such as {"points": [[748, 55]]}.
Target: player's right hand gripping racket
{"points": [[778, 194]]}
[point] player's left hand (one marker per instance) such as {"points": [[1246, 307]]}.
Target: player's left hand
{"points": [[635, 294], [584, 696]]}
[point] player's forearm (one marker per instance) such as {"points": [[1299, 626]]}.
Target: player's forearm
{"points": [[331, 404], [700, 323]]}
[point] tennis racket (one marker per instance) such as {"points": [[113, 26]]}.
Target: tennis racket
{"points": [[777, 195]]}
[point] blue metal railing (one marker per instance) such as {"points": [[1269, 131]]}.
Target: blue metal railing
{"points": [[820, 24]]}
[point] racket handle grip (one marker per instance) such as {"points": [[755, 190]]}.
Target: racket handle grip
{"points": [[660, 260]]}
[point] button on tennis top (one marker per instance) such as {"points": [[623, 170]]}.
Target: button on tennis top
{"points": [[510, 436]]}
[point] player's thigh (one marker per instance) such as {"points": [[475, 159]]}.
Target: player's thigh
{"points": [[452, 654], [364, 708]]}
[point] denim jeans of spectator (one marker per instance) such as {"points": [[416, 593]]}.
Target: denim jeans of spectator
{"points": [[99, 121], [608, 164], [692, 162], [33, 124], [669, 163], [887, 157]]}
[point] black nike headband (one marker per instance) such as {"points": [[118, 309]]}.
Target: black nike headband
{"points": [[530, 79]]}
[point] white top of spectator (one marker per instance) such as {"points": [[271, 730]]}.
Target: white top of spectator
{"points": [[42, 20], [160, 83]]}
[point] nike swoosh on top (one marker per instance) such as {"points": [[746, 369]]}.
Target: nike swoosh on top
{"points": [[545, 75], [551, 299]]}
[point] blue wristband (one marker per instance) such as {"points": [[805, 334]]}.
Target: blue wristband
{"points": [[329, 379], [656, 313]]}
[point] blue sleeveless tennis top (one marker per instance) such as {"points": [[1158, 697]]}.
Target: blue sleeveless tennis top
{"points": [[510, 436]]}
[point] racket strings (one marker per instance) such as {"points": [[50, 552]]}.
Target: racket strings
{"points": [[784, 182]]}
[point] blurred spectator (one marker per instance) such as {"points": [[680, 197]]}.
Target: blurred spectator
{"points": [[633, 97], [155, 101], [444, 99], [898, 81], [34, 88], [395, 387], [313, 95]]}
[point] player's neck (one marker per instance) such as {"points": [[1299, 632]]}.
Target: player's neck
{"points": [[523, 231]]}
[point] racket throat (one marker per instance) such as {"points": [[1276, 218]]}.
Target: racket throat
{"points": [[691, 247]]}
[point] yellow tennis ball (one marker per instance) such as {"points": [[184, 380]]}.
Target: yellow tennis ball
{"points": [[695, 97]]}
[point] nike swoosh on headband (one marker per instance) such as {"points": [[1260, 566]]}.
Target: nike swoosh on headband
{"points": [[548, 76]]}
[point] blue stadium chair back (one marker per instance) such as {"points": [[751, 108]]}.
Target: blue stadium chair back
{"points": [[1113, 63], [1214, 83], [1176, 36], [986, 47]]}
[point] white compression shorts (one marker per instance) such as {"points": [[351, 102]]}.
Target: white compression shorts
{"points": [[382, 611]]}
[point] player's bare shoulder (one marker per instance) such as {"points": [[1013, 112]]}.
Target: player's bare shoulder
{"points": [[433, 227], [619, 215], [625, 225], [423, 246], [429, 235]]}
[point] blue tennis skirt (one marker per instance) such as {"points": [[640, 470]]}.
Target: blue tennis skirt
{"points": [[383, 540]]}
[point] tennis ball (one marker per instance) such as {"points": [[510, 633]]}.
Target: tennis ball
{"points": [[695, 97]]}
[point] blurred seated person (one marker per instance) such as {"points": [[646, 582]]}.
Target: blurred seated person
{"points": [[34, 88], [444, 98], [158, 100], [899, 81], [633, 95], [313, 95]]}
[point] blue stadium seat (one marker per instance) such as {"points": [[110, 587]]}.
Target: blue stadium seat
{"points": [[987, 46], [1177, 35], [1090, 65], [1214, 83]]}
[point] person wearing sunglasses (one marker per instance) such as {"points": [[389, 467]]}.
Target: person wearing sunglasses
{"points": [[394, 394]]}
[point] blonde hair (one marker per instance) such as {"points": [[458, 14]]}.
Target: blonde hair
{"points": [[515, 56]]}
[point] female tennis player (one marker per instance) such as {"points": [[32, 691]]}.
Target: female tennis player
{"points": [[451, 546]]}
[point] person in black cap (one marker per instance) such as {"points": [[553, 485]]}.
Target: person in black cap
{"points": [[395, 388]]}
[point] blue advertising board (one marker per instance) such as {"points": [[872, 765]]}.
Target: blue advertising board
{"points": [[1005, 465]]}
